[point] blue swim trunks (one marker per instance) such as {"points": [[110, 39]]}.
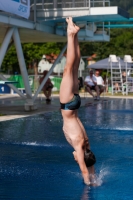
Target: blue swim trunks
{"points": [[74, 104]]}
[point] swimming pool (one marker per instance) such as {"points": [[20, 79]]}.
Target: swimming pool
{"points": [[36, 162]]}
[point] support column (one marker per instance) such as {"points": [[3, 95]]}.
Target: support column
{"points": [[49, 72], [29, 105], [22, 63], [5, 44], [35, 11], [4, 48]]}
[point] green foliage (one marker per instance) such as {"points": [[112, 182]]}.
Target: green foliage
{"points": [[10, 61], [125, 4], [31, 51], [1, 114], [121, 43]]}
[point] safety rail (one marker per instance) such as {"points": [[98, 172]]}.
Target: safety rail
{"points": [[51, 4]]}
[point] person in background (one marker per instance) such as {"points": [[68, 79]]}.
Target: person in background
{"points": [[36, 77], [100, 82], [70, 102], [91, 84], [47, 88], [125, 82], [30, 69], [117, 87], [107, 83], [80, 82], [123, 76], [31, 75]]}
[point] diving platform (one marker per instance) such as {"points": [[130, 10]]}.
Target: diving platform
{"points": [[47, 21], [94, 14]]}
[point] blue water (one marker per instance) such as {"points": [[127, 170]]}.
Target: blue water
{"points": [[36, 162]]}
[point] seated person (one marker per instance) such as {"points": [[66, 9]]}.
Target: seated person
{"points": [[80, 82], [117, 84], [30, 69], [47, 88], [117, 87], [100, 82], [107, 83], [124, 77], [126, 84], [91, 84]]}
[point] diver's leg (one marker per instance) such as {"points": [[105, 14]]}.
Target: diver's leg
{"points": [[73, 136], [76, 65], [67, 81]]}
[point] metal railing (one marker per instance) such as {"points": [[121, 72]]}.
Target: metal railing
{"points": [[51, 4]]}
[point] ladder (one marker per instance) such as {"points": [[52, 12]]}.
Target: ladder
{"points": [[128, 85], [115, 72]]}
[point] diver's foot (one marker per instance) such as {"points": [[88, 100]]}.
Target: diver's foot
{"points": [[75, 156], [72, 29]]}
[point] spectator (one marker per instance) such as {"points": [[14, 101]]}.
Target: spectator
{"points": [[80, 82], [117, 86], [47, 88], [91, 84], [30, 69], [123, 76], [100, 82], [107, 83], [36, 77]]}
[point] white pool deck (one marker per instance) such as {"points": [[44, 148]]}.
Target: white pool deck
{"points": [[12, 106]]}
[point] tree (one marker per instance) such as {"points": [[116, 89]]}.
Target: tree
{"points": [[31, 51], [121, 43]]}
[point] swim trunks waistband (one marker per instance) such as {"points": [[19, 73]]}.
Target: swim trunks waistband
{"points": [[73, 104]]}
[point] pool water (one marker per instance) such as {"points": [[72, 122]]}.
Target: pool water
{"points": [[36, 162]]}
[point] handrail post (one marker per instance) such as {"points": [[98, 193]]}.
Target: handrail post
{"points": [[43, 4], [35, 11], [55, 3], [89, 4]]}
